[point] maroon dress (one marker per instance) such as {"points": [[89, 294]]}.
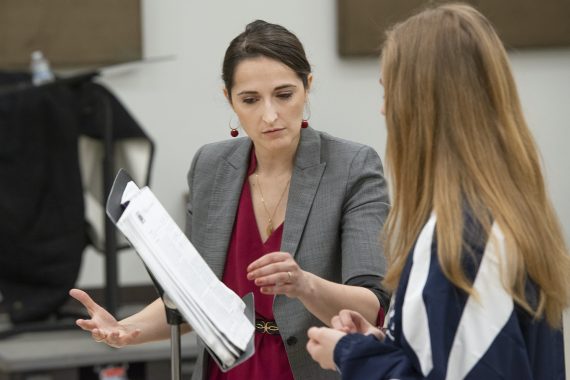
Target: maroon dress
{"points": [[270, 358]]}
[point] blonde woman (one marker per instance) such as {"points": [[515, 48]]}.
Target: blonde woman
{"points": [[476, 255]]}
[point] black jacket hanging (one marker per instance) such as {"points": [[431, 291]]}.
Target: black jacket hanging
{"points": [[42, 229]]}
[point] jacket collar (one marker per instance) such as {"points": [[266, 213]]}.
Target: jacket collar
{"points": [[305, 181]]}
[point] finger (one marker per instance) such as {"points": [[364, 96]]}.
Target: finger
{"points": [[281, 266], [355, 315], [115, 336], [273, 267], [336, 323], [86, 324], [268, 290], [85, 300], [347, 321], [99, 335], [376, 332], [126, 339], [360, 322], [114, 339], [311, 347], [287, 289], [135, 334], [274, 279], [314, 333], [269, 258]]}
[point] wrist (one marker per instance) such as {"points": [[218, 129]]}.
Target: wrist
{"points": [[308, 288]]}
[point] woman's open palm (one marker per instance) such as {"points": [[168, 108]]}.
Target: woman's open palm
{"points": [[102, 325]]}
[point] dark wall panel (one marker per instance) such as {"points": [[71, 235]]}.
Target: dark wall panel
{"points": [[71, 33], [520, 23]]}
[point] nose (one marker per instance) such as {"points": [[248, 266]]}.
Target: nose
{"points": [[269, 113]]}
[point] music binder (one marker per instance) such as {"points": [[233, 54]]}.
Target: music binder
{"points": [[227, 355]]}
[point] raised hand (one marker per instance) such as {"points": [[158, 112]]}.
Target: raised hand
{"points": [[102, 325], [350, 321]]}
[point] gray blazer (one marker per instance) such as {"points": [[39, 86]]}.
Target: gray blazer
{"points": [[338, 202]]}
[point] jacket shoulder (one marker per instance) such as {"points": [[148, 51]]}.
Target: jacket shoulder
{"points": [[222, 148], [335, 146]]}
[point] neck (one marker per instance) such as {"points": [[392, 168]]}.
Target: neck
{"points": [[270, 163]]}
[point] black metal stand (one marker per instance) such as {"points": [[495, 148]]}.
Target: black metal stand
{"points": [[174, 319], [111, 262]]}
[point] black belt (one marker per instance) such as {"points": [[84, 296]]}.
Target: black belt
{"points": [[266, 327]]}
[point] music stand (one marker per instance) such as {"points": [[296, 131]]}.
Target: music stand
{"points": [[114, 209]]}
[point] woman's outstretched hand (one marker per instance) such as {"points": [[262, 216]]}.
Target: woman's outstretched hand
{"points": [[102, 325]]}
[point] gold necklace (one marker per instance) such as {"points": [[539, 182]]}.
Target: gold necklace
{"points": [[270, 228]]}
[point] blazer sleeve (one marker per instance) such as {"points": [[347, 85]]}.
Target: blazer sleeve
{"points": [[364, 211]]}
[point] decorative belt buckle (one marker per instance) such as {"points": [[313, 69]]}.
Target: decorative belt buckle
{"points": [[266, 327]]}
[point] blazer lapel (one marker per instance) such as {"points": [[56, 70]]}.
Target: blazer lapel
{"points": [[223, 205], [305, 181]]}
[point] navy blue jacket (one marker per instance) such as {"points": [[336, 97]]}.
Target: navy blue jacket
{"points": [[437, 331]]}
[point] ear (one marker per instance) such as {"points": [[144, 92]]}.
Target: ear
{"points": [[309, 81], [227, 95]]}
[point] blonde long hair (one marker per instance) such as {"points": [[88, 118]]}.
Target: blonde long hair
{"points": [[457, 138]]}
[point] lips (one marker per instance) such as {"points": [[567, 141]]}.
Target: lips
{"points": [[273, 130]]}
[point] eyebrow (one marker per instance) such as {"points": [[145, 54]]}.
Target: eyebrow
{"points": [[285, 86], [247, 92]]}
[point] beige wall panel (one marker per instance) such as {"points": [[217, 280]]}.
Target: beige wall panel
{"points": [[520, 23], [71, 33]]}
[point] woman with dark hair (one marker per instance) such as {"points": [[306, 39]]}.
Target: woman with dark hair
{"points": [[475, 253], [288, 213]]}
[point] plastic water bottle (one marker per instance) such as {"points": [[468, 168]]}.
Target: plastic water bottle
{"points": [[41, 71]]}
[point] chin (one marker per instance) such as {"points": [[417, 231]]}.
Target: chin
{"points": [[282, 143]]}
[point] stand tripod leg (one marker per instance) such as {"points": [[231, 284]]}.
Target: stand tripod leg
{"points": [[175, 368], [111, 262]]}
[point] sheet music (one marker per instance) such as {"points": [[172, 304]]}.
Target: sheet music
{"points": [[214, 311]]}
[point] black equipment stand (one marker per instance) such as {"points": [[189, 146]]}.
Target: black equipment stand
{"points": [[111, 262], [174, 319]]}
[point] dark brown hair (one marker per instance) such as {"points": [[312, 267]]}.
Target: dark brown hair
{"points": [[263, 39]]}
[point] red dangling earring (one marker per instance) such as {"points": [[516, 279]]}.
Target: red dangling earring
{"points": [[234, 131], [305, 120]]}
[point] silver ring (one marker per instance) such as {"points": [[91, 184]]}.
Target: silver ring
{"points": [[290, 276]]}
